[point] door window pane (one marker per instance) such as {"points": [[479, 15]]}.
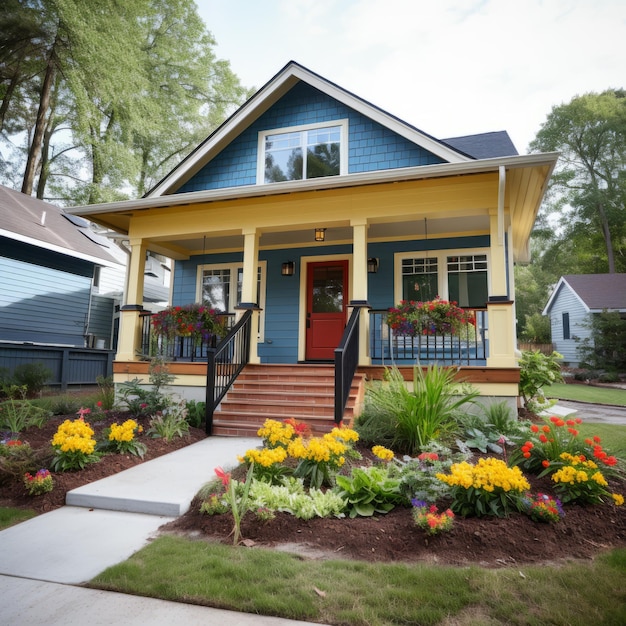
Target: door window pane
{"points": [[327, 290]]}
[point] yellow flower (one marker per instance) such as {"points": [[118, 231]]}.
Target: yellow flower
{"points": [[618, 499], [383, 453]]}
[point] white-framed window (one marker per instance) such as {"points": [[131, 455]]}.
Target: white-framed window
{"points": [[463, 278], [303, 152], [219, 287]]}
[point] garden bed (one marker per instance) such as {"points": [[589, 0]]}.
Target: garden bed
{"points": [[584, 532]]}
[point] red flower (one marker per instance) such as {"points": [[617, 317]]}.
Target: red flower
{"points": [[526, 455], [543, 438], [611, 460], [572, 431], [534, 428], [546, 429], [223, 476], [554, 419], [570, 422], [545, 463], [597, 439]]}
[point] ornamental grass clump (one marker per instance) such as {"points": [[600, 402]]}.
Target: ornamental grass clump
{"points": [[579, 480], [487, 488], [74, 445]]}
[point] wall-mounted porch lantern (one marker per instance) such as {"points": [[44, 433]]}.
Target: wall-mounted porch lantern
{"points": [[320, 234], [372, 265], [288, 268]]}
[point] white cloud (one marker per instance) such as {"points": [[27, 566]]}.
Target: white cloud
{"points": [[448, 67]]}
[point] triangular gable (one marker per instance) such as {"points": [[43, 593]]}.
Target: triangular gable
{"points": [[595, 292], [270, 94]]}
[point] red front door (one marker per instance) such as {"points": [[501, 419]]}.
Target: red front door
{"points": [[327, 296]]}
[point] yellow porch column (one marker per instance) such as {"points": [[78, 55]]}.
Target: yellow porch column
{"points": [[359, 285], [249, 287], [129, 341], [500, 310]]}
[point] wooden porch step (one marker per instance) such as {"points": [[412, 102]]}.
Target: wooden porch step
{"points": [[302, 392]]}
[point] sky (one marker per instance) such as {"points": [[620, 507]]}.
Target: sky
{"points": [[448, 67]]}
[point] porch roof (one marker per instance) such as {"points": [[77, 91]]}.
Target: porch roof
{"points": [[526, 180]]}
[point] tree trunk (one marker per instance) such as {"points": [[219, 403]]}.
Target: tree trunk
{"points": [[34, 151], [7, 97], [606, 233]]}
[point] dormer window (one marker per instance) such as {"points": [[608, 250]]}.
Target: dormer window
{"points": [[303, 152]]}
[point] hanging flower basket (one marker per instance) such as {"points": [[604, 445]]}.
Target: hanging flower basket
{"points": [[434, 317], [191, 320]]}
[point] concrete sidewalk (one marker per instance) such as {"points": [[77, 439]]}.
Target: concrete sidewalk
{"points": [[110, 520]]}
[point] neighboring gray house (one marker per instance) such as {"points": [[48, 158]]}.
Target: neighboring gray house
{"points": [[575, 298], [61, 285]]}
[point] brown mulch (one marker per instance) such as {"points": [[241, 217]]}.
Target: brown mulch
{"points": [[584, 532]]}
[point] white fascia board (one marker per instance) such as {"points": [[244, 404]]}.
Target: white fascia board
{"points": [[59, 249], [269, 95], [562, 282], [419, 172]]}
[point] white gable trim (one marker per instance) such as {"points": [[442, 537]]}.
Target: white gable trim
{"points": [[260, 102], [560, 285]]}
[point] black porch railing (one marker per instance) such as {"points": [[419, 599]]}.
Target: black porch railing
{"points": [[467, 347], [177, 348], [346, 362], [225, 362]]}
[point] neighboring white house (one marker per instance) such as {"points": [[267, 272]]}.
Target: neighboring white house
{"points": [[574, 300]]}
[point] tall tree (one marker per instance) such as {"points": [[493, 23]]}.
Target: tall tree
{"points": [[588, 188]]}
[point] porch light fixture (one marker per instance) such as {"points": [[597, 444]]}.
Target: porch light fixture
{"points": [[372, 265], [320, 234], [288, 268]]}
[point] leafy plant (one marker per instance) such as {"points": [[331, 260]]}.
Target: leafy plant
{"points": [[143, 401], [237, 496], [537, 371], [579, 480], [17, 457], [74, 445], [542, 507], [268, 463], [121, 438], [483, 441], [106, 393], [428, 518], [170, 422], [196, 413], [33, 376], [368, 491], [423, 413], [487, 488], [38, 484], [18, 415]]}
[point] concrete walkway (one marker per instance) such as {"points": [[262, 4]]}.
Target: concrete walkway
{"points": [[109, 520]]}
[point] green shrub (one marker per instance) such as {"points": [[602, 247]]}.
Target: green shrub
{"points": [[427, 411], [106, 393], [18, 415], [196, 412], [538, 370], [33, 376], [143, 401], [17, 458], [368, 491]]}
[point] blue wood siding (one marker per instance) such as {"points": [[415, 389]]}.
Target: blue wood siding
{"points": [[44, 296], [282, 297], [566, 302], [101, 319], [371, 146]]}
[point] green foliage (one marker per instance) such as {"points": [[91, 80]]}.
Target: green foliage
{"points": [[427, 411], [537, 371], [368, 491], [196, 413], [606, 349], [17, 458], [170, 422], [537, 329], [142, 401], [106, 393], [33, 376], [588, 187], [418, 476], [18, 415], [291, 497]]}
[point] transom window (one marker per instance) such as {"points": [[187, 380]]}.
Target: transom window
{"points": [[301, 153]]}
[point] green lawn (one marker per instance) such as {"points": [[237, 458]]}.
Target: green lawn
{"points": [[350, 593], [587, 393]]}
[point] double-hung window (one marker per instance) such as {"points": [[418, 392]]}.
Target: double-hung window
{"points": [[219, 287], [303, 152], [467, 280]]}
